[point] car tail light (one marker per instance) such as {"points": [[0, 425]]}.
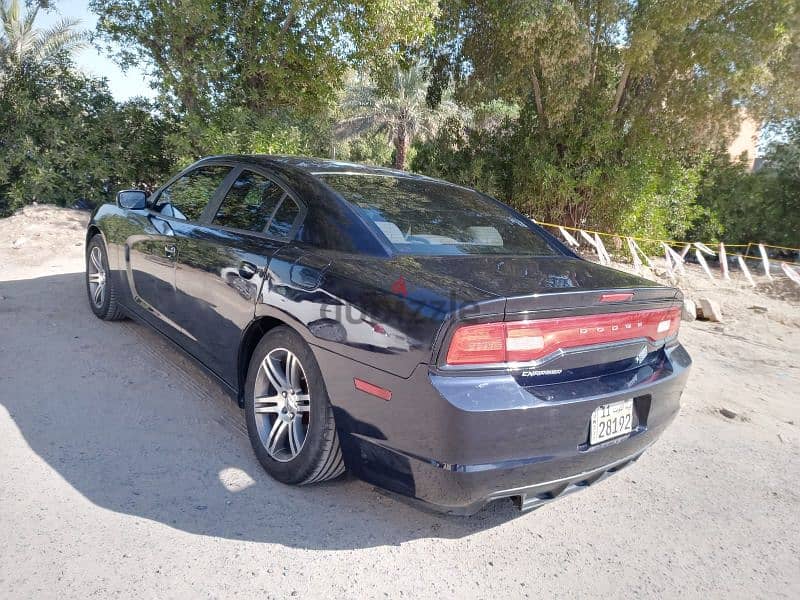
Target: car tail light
{"points": [[524, 341]]}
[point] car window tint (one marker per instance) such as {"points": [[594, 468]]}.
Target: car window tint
{"points": [[250, 203], [281, 224], [421, 216], [187, 197]]}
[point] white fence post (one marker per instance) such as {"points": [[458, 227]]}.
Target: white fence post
{"points": [[637, 262], [703, 248], [764, 260], [723, 261], [678, 259], [605, 258], [570, 240], [791, 273], [667, 258], [588, 238], [745, 270], [702, 260]]}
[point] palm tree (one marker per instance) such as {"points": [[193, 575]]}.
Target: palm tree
{"points": [[21, 42], [401, 111]]}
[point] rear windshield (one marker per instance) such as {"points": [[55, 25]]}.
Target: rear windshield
{"points": [[426, 217]]}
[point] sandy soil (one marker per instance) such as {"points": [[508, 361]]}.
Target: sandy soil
{"points": [[125, 471]]}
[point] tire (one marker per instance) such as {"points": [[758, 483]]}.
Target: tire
{"points": [[293, 434], [103, 295]]}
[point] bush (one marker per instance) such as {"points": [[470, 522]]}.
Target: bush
{"points": [[239, 131], [763, 206], [63, 138], [570, 176]]}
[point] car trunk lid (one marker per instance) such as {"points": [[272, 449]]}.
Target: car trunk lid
{"points": [[570, 318]]}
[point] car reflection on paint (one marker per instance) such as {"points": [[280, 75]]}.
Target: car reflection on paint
{"points": [[327, 315]]}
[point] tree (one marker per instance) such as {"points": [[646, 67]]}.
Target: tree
{"points": [[617, 98], [763, 206], [236, 130], [262, 55], [21, 42], [400, 110], [64, 137]]}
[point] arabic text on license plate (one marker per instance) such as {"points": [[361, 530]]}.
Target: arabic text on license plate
{"points": [[610, 421]]}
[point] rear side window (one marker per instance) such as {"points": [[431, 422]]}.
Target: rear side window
{"points": [[418, 216], [284, 219], [249, 203], [187, 197]]}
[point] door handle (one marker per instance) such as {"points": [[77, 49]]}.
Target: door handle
{"points": [[170, 250], [247, 270]]}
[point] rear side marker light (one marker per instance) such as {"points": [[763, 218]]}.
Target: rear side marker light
{"points": [[372, 389], [525, 341]]}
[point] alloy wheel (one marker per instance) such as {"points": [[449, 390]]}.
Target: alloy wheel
{"points": [[97, 277], [282, 404]]}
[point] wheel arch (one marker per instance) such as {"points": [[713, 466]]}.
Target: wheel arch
{"points": [[92, 231], [256, 330]]}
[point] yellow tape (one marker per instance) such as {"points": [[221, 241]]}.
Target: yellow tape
{"points": [[780, 247]]}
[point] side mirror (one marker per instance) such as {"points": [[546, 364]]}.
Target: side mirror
{"points": [[132, 199]]}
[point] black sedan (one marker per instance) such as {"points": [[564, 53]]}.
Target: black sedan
{"points": [[421, 335]]}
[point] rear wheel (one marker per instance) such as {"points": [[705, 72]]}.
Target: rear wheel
{"points": [[289, 416], [99, 285]]}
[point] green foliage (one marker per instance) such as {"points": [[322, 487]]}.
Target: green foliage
{"points": [[264, 55], [239, 131], [605, 115], [763, 206], [396, 106], [594, 182], [372, 148], [472, 157], [21, 43], [64, 137], [619, 101]]}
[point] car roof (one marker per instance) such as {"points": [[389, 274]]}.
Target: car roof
{"points": [[307, 171], [316, 166]]}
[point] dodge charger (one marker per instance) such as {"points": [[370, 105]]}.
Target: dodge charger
{"points": [[421, 335]]}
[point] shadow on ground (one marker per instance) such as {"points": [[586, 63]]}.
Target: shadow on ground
{"points": [[137, 428]]}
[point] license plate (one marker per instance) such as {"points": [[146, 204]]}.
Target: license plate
{"points": [[610, 421]]}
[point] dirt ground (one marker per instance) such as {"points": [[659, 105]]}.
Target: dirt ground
{"points": [[125, 471]]}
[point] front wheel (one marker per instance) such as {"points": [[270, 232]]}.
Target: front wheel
{"points": [[289, 416], [99, 285]]}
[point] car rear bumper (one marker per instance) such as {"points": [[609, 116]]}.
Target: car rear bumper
{"points": [[456, 443]]}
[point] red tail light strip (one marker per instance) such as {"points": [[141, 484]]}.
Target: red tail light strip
{"points": [[525, 341]]}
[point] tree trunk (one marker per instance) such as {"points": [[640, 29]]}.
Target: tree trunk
{"points": [[537, 93], [290, 17], [400, 149], [623, 81]]}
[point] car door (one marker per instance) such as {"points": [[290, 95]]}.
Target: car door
{"points": [[151, 267], [222, 261], [152, 255]]}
